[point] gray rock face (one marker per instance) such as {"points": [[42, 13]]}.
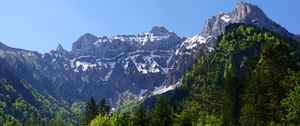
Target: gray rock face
{"points": [[253, 15], [119, 65], [84, 45], [244, 13], [59, 48], [158, 38], [62, 51], [156, 30]]}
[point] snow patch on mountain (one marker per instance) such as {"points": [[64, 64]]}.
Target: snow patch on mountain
{"points": [[162, 89], [142, 93], [198, 38], [140, 38], [190, 44], [226, 18], [85, 65]]}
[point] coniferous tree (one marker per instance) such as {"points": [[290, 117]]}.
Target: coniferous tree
{"points": [[162, 113], [90, 111], [103, 108], [139, 117]]}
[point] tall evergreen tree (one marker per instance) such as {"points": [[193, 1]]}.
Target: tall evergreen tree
{"points": [[103, 108], [139, 117], [90, 111], [162, 113]]}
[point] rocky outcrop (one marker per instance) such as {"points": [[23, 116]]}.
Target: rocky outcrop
{"points": [[158, 38], [84, 45], [62, 51], [159, 31], [244, 13], [253, 15]]}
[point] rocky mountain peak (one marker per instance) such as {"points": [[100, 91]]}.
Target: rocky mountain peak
{"points": [[253, 15], [159, 30], [88, 37], [59, 48], [84, 45], [242, 6], [246, 11]]}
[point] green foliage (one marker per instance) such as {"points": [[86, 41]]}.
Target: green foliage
{"points": [[120, 119], [208, 120], [292, 102], [26, 105], [91, 112], [139, 117], [103, 108], [101, 121], [77, 109], [128, 105], [162, 113]]}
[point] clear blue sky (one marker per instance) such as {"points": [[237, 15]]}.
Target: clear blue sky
{"points": [[40, 25]]}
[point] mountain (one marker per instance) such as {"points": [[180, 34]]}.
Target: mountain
{"points": [[23, 102], [125, 65], [119, 67], [197, 46]]}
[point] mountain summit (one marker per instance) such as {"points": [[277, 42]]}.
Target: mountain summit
{"points": [[84, 45], [159, 30], [244, 13]]}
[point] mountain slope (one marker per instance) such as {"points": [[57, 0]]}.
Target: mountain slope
{"points": [[197, 46], [21, 103], [244, 81]]}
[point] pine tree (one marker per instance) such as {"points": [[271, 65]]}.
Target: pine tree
{"points": [[90, 111], [162, 113], [103, 108], [139, 117]]}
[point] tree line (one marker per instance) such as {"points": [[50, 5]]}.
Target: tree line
{"points": [[99, 115]]}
